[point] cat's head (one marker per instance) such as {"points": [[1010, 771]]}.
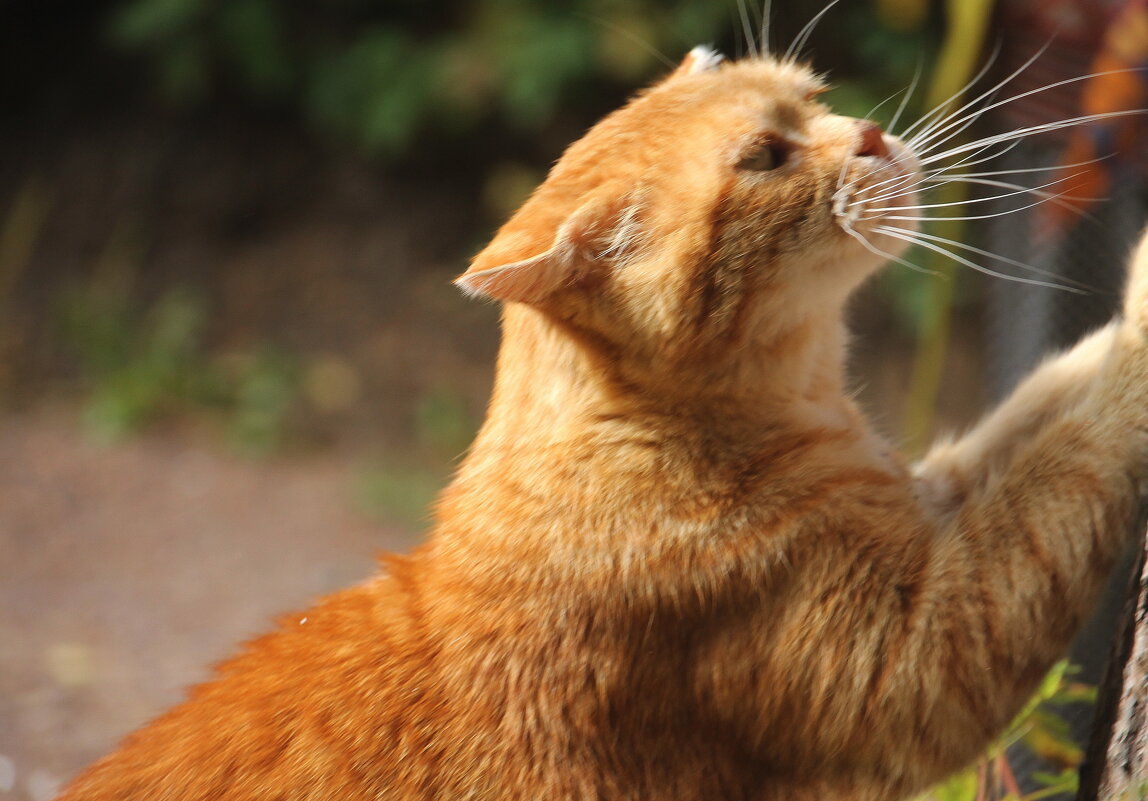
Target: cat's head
{"points": [[723, 201]]}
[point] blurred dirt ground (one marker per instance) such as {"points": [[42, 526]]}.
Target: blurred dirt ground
{"points": [[126, 571]]}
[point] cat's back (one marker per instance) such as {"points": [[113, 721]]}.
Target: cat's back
{"points": [[338, 702]]}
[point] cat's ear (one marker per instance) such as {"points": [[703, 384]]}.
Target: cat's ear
{"points": [[700, 59], [503, 272]]}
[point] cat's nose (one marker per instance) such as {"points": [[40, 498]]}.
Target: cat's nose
{"points": [[871, 141]]}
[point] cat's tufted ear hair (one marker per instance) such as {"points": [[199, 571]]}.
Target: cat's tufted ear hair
{"points": [[585, 240], [700, 59]]}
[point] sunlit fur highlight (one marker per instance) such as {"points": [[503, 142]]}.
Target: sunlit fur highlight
{"points": [[677, 563]]}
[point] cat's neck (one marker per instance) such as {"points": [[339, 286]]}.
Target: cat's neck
{"points": [[549, 388]]}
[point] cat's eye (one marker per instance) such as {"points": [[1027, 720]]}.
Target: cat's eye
{"points": [[767, 154]]}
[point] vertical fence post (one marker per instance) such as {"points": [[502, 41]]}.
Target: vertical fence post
{"points": [[1116, 764]]}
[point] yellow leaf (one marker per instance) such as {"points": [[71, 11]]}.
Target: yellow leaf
{"points": [[967, 21], [902, 15]]}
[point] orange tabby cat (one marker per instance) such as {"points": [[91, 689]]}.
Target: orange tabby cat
{"points": [[677, 563]]}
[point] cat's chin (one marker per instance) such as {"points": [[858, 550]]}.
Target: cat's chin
{"points": [[879, 194]]}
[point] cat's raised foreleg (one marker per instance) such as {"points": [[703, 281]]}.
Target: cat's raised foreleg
{"points": [[1047, 491], [957, 470], [954, 472]]}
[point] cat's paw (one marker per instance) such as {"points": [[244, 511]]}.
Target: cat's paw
{"points": [[1136, 290]]}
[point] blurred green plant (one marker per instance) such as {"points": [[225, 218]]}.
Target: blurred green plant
{"points": [[1042, 731], [136, 365], [405, 494], [260, 389], [21, 228], [142, 365], [400, 493], [443, 424], [378, 74]]}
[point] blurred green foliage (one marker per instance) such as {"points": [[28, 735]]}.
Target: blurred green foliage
{"points": [[443, 423], [378, 73], [400, 493], [1042, 731], [260, 390], [443, 428], [140, 365], [137, 365]]}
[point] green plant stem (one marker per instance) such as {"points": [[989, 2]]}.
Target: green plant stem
{"points": [[20, 232], [933, 339], [967, 23]]}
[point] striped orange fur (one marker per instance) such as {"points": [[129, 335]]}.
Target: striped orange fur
{"points": [[677, 563]]}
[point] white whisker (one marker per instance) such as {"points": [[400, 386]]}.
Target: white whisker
{"points": [[1029, 130], [763, 40], [969, 217], [919, 144], [915, 141], [876, 251], [928, 120], [1023, 170], [970, 160], [930, 179], [963, 119], [1024, 190], [1037, 191], [942, 159], [969, 121], [1061, 200], [746, 28], [633, 37], [898, 233], [1079, 287], [916, 180], [803, 35], [905, 99], [899, 160]]}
